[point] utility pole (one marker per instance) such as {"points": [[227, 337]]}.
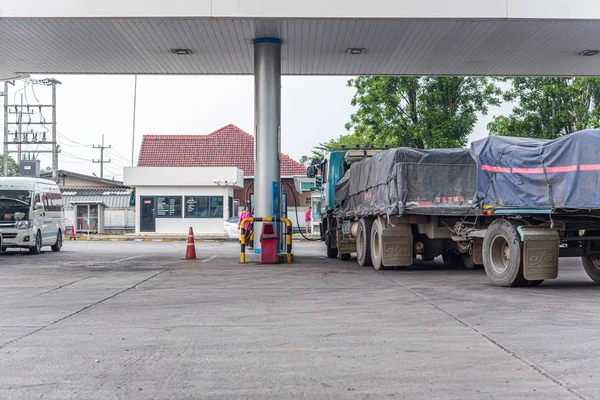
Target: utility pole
{"points": [[133, 130], [5, 94], [54, 146], [20, 127], [101, 160]]}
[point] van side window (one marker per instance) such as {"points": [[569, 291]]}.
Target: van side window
{"points": [[53, 202], [47, 201]]}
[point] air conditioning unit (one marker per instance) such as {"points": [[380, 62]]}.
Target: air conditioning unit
{"points": [[30, 168]]}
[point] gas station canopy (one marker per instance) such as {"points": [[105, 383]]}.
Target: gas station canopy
{"points": [[327, 37]]}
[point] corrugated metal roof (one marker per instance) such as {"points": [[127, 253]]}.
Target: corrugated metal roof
{"points": [[111, 201]]}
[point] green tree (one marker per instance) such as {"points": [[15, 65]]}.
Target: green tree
{"points": [[13, 167], [421, 112], [548, 108], [348, 141]]}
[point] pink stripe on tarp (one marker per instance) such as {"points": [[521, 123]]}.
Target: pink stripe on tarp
{"points": [[425, 203], [589, 167], [495, 169], [528, 170], [566, 168]]}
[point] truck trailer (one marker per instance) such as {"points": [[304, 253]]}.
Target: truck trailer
{"points": [[511, 205]]}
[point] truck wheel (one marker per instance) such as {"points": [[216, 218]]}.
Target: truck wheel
{"points": [[363, 242], [592, 267], [451, 259], [467, 260], [377, 245], [535, 283], [332, 252], [502, 254]]}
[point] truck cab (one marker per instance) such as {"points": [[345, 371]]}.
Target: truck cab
{"points": [[328, 173]]}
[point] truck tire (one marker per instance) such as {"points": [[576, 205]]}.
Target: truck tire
{"points": [[376, 243], [332, 252], [502, 254], [592, 267], [363, 242], [452, 259], [467, 260]]}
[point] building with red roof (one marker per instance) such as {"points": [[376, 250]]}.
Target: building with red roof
{"points": [[228, 146]]}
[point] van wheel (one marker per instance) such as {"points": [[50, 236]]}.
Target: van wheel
{"points": [[363, 242], [57, 246], [502, 255], [37, 248]]}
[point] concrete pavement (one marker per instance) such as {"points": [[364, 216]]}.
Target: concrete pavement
{"points": [[131, 320]]}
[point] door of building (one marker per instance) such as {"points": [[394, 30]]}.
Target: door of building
{"points": [[148, 217]]}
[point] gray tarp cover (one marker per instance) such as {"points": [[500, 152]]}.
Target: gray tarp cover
{"points": [[539, 174], [408, 181]]}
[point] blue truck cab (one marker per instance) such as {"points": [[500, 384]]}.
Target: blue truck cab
{"points": [[328, 173], [332, 169]]}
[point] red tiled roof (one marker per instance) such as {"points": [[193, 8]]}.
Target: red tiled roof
{"points": [[227, 147]]}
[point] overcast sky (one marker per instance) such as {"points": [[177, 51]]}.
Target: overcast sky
{"points": [[314, 109]]}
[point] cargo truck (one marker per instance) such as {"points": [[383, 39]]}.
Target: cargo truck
{"points": [[513, 205]]}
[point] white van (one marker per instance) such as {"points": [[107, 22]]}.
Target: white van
{"points": [[31, 214]]}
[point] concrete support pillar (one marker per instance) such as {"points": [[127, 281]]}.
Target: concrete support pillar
{"points": [[267, 122]]}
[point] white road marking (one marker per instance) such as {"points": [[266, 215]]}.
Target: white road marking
{"points": [[208, 259], [125, 259]]}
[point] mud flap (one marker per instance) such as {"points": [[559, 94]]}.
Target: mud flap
{"points": [[540, 252], [346, 244], [397, 246]]}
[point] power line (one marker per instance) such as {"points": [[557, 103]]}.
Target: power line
{"points": [[101, 160], [118, 157]]}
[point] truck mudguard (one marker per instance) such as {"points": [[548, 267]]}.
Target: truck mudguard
{"points": [[408, 181], [563, 173]]}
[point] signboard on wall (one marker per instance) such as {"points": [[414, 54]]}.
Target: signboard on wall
{"points": [[168, 206]]}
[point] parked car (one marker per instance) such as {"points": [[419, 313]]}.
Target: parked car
{"points": [[231, 227]]}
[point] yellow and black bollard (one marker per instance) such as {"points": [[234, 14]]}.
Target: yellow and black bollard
{"points": [[288, 236]]}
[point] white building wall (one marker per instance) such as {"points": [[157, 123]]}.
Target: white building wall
{"points": [[184, 181], [183, 176], [182, 225]]}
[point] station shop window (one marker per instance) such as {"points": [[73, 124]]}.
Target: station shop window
{"points": [[168, 207], [204, 206]]}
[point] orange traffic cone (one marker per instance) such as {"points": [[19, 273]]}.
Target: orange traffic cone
{"points": [[72, 233], [190, 253]]}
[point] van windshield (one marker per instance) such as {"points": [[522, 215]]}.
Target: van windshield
{"points": [[15, 198]]}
